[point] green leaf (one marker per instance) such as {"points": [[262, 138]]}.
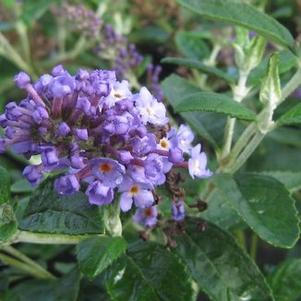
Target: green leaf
{"points": [[4, 186], [63, 289], [8, 224], [286, 281], [33, 10], [21, 186], [150, 273], [208, 125], [214, 102], [191, 45], [219, 266], [290, 179], [293, 116], [220, 212], [287, 61], [96, 254], [264, 204], [49, 212], [195, 64], [241, 14]]}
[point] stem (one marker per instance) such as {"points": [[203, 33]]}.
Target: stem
{"points": [[253, 247], [246, 153], [22, 257], [22, 32], [22, 266], [292, 85], [240, 91], [43, 238], [229, 132], [240, 144], [80, 46], [8, 51]]}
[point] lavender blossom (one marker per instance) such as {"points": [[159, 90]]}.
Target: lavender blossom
{"points": [[147, 217], [94, 129], [178, 210]]}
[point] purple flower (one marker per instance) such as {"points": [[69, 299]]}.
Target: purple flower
{"points": [[82, 134], [117, 125], [22, 79], [62, 85], [58, 70], [144, 145], [99, 194], [150, 110], [147, 216], [33, 174], [108, 171], [40, 114], [119, 91], [155, 168], [175, 155], [185, 137], [138, 193], [77, 162], [125, 157], [63, 129], [178, 210], [67, 185], [94, 129], [49, 158], [197, 164], [2, 146]]}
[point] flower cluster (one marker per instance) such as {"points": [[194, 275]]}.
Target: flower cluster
{"points": [[110, 45], [81, 19], [116, 47], [101, 136]]}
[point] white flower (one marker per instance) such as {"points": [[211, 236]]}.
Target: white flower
{"points": [[185, 137], [150, 109], [119, 91], [197, 164]]}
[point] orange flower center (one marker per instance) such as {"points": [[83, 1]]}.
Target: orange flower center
{"points": [[148, 212], [134, 189], [117, 95], [105, 167], [164, 143]]}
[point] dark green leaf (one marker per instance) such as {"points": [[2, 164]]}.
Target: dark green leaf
{"points": [[219, 266], [150, 34], [191, 45], [264, 204], [214, 102], [96, 254], [290, 179], [21, 186], [150, 273], [8, 224], [33, 10], [286, 281], [195, 64], [293, 116], [64, 289], [241, 14], [4, 186], [49, 212], [220, 212]]}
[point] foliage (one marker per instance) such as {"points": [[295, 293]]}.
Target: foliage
{"points": [[230, 69]]}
